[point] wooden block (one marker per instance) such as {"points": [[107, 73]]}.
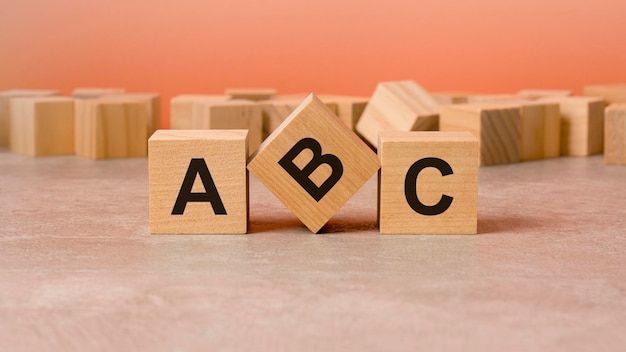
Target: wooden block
{"points": [[96, 92], [153, 104], [181, 108], [543, 93], [349, 108], [582, 124], [230, 114], [611, 93], [253, 94], [447, 98], [428, 183], [398, 106], [313, 163], [42, 126], [540, 133], [276, 110], [106, 129], [490, 98], [5, 111], [615, 135], [198, 182], [496, 126]]}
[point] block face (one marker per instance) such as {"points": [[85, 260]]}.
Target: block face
{"points": [[302, 156], [349, 109], [615, 135], [540, 129], [416, 186], [252, 94], [5, 108], [611, 93], [153, 104], [224, 153], [181, 108], [96, 92], [398, 106], [543, 93]]}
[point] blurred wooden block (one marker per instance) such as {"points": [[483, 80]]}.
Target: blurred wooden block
{"points": [[398, 106], [153, 104], [42, 126], [181, 108], [106, 129], [228, 115], [5, 108], [349, 109], [313, 163], [615, 135], [497, 127], [582, 124], [543, 93], [94, 93], [428, 183], [447, 98], [253, 94], [276, 110], [198, 182], [490, 98], [540, 134], [611, 93]]}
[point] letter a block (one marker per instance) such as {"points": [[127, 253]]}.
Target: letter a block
{"points": [[615, 135], [313, 163], [428, 182], [198, 181]]}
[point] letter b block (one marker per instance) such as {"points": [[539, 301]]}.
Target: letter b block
{"points": [[198, 181], [428, 182]]}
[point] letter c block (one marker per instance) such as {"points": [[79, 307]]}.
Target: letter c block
{"points": [[428, 182], [198, 181]]}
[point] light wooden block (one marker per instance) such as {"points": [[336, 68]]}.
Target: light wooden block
{"points": [[313, 163], [96, 92], [349, 108], [42, 126], [447, 98], [543, 93], [5, 108], [230, 114], [398, 106], [496, 126], [182, 106], [611, 93], [615, 135], [253, 94], [428, 183], [490, 98], [198, 182], [153, 104], [276, 110], [106, 129], [582, 124]]}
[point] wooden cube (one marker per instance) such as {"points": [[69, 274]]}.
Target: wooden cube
{"points": [[96, 92], [490, 98], [543, 93], [42, 126], [198, 182], [611, 93], [106, 129], [5, 108], [497, 127], [276, 110], [428, 183], [582, 124], [313, 163], [447, 98], [349, 108], [398, 106], [153, 104], [182, 106], [253, 94], [230, 114], [615, 135]]}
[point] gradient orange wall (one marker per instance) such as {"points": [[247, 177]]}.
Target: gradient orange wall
{"points": [[326, 46]]}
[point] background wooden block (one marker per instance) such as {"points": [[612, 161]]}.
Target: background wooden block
{"points": [[497, 127], [447, 98], [543, 93], [5, 108], [253, 94], [398, 106], [42, 126], [181, 108], [153, 104], [611, 93], [349, 108], [224, 153], [615, 135], [490, 98], [313, 125], [230, 114], [582, 124], [96, 92], [276, 110], [110, 129], [421, 205]]}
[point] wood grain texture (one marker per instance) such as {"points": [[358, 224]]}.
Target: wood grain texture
{"points": [[447, 98], [106, 129], [349, 108], [497, 127], [42, 126], [225, 153], [398, 152], [543, 93], [490, 98], [253, 94], [153, 104], [582, 124], [181, 108], [611, 93], [398, 106], [615, 135], [96, 92], [5, 108], [313, 119]]}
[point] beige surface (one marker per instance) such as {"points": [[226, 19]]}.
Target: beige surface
{"points": [[80, 271]]}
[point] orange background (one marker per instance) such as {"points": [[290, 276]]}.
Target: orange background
{"points": [[325, 46]]}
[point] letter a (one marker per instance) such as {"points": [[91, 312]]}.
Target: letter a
{"points": [[302, 176], [198, 167]]}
